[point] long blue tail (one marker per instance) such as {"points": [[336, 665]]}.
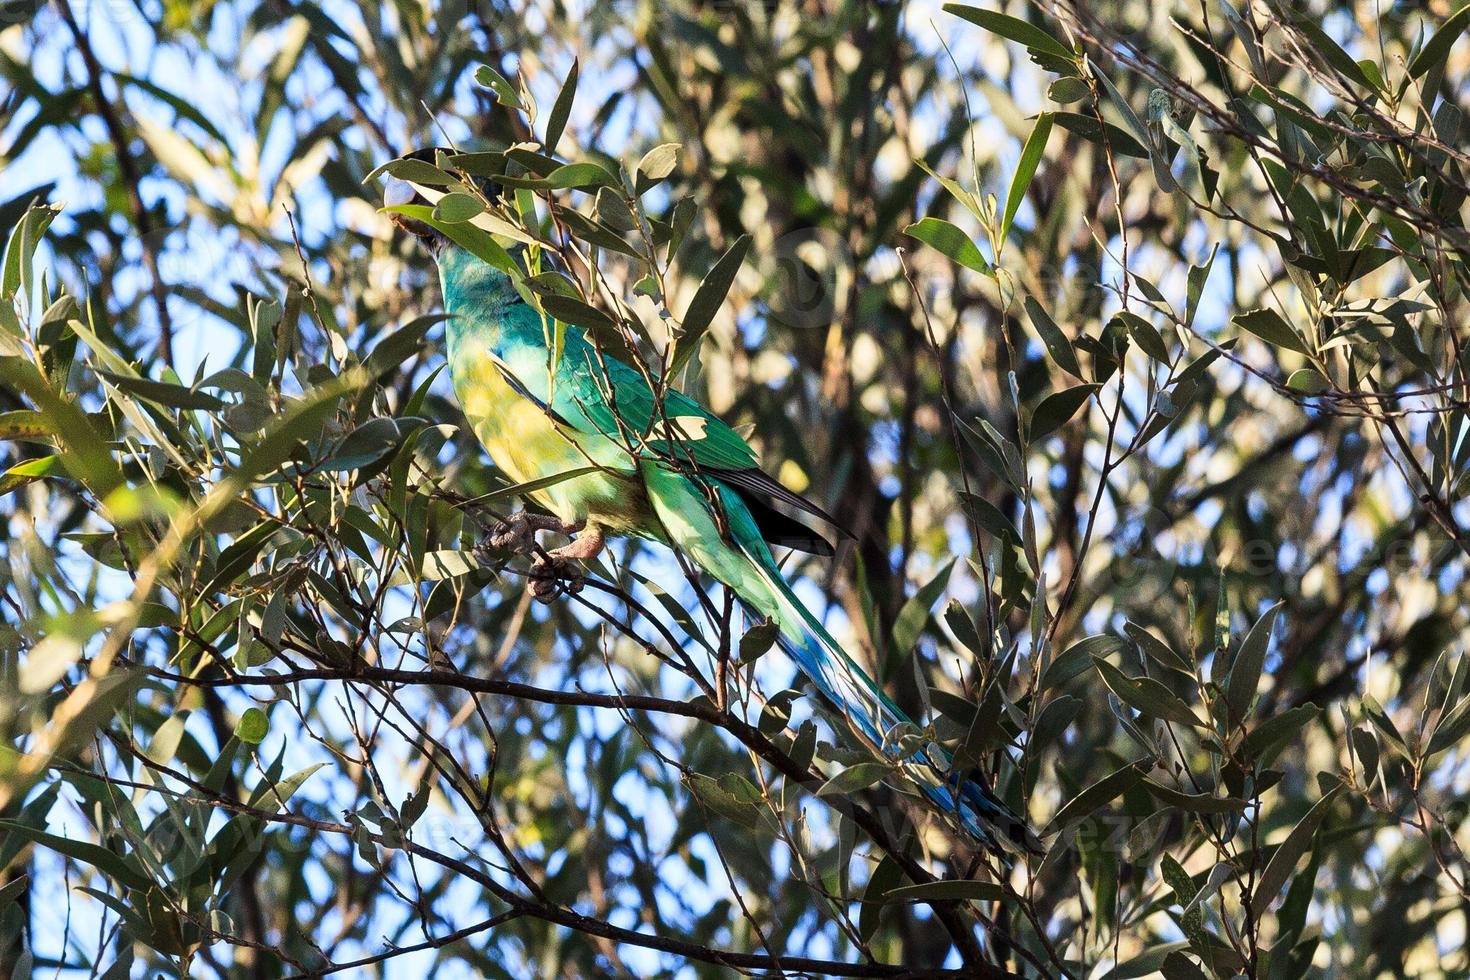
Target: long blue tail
{"points": [[879, 721]]}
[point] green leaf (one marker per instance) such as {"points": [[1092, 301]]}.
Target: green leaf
{"points": [[1025, 171], [1056, 409], [96, 856], [21, 247], [707, 301], [476, 241], [439, 565], [915, 613], [1105, 133], [951, 241], [571, 310], [458, 206], [505, 92], [281, 792], [757, 641], [400, 345], [954, 890], [561, 109], [1078, 658], [1270, 327], [28, 472], [364, 445], [1437, 49], [1193, 802], [1097, 796], [656, 164], [1146, 695], [885, 878], [1309, 381], [86, 455], [1012, 28], [163, 393], [1145, 335], [579, 176], [1245, 671], [1056, 342], [1277, 729], [855, 778], [253, 726], [1284, 861]]}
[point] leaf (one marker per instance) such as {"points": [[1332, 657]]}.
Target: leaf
{"points": [[505, 92], [1056, 342], [1245, 671], [1309, 381], [1270, 327], [1146, 695], [561, 109], [24, 424], [364, 445], [1098, 795], [458, 206], [855, 778], [86, 455], [476, 241], [1193, 802], [568, 309], [1078, 658], [1277, 729], [1156, 649], [915, 613], [1091, 130], [706, 303], [21, 248], [22, 474], [757, 641], [1177, 966], [393, 350], [1056, 409], [954, 890], [1284, 861], [777, 712], [656, 164], [281, 792], [1025, 170], [1012, 28], [94, 855], [439, 565], [885, 878], [951, 241], [574, 176], [1145, 335], [1437, 49], [252, 727]]}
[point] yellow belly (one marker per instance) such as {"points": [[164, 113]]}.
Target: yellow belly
{"points": [[526, 444]]}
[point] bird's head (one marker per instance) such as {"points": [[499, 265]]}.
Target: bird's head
{"points": [[398, 191]]}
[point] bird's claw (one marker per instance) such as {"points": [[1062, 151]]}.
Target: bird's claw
{"points": [[517, 533], [553, 575], [512, 535]]}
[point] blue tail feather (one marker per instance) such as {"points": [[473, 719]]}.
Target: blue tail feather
{"points": [[876, 718]]}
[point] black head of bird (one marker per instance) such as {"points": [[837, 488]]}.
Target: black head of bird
{"points": [[398, 191]]}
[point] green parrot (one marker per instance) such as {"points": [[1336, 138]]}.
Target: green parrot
{"points": [[669, 472]]}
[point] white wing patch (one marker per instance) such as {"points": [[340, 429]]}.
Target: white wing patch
{"points": [[691, 427]]}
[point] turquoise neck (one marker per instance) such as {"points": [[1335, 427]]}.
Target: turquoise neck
{"points": [[476, 297]]}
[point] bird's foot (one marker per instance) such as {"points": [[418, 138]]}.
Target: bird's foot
{"points": [[559, 572], [517, 533]]}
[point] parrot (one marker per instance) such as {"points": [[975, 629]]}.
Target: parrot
{"points": [[647, 461]]}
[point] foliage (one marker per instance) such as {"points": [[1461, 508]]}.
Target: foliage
{"points": [[1143, 398]]}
